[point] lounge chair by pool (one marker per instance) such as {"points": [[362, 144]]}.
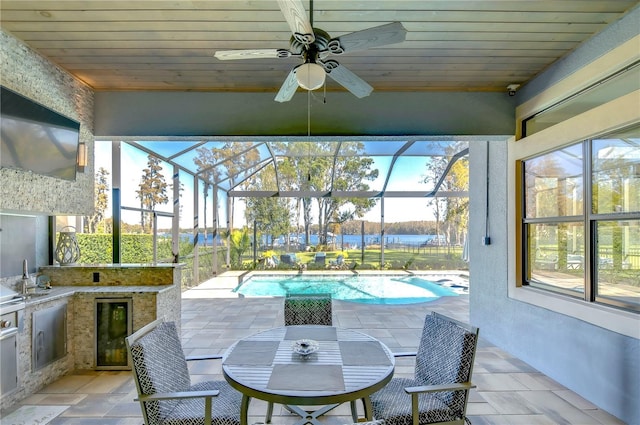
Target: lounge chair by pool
{"points": [[289, 259], [320, 258], [338, 263]]}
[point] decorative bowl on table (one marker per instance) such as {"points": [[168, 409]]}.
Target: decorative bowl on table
{"points": [[304, 347]]}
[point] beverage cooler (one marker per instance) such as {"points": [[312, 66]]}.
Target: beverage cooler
{"points": [[113, 325]]}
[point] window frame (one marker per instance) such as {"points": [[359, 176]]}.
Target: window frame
{"points": [[605, 118], [589, 220]]}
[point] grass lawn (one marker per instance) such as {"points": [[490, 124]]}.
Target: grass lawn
{"points": [[432, 258]]}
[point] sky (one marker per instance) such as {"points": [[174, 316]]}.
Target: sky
{"points": [[134, 161]]}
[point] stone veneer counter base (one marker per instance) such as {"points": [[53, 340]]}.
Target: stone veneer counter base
{"points": [[155, 292]]}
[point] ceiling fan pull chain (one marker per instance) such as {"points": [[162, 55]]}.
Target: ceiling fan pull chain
{"points": [[309, 136], [308, 113]]}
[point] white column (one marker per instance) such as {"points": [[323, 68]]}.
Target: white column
{"points": [[175, 222], [382, 233], [228, 231], [215, 230], [196, 198]]}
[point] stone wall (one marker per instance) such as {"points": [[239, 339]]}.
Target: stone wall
{"points": [[83, 330], [167, 308], [118, 275], [31, 75], [143, 309]]}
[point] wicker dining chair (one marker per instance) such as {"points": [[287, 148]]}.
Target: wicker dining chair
{"points": [[439, 391], [308, 309], [374, 422], [162, 379], [305, 309]]}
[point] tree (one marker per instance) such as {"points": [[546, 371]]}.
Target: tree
{"points": [[240, 243], [152, 190], [303, 166], [314, 166], [342, 217], [101, 201], [351, 171], [458, 207], [271, 215], [452, 212], [435, 167], [226, 164]]}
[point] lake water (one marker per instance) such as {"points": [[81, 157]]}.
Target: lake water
{"points": [[350, 241]]}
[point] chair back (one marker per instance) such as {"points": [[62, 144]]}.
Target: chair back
{"points": [[445, 356], [307, 309], [158, 365]]}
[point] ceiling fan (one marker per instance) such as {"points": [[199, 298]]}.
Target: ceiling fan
{"points": [[314, 46]]}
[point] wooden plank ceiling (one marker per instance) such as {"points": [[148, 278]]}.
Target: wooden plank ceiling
{"points": [[169, 45]]}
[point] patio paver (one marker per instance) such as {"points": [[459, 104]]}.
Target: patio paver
{"points": [[508, 390]]}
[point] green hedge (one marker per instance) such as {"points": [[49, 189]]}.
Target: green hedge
{"points": [[96, 248]]}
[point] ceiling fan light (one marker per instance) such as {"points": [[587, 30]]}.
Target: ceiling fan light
{"points": [[310, 76]]}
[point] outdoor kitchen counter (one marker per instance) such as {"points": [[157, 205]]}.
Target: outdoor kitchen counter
{"points": [[47, 295], [114, 274], [154, 291]]}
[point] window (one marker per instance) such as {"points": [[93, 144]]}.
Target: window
{"points": [[581, 221], [619, 84]]}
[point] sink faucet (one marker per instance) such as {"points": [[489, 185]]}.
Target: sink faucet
{"points": [[26, 280]]}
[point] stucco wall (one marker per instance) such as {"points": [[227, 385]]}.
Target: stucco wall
{"points": [[600, 365], [257, 114], [29, 74]]}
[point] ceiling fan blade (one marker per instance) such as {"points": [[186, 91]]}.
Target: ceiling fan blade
{"points": [[288, 88], [252, 54], [296, 16], [371, 37], [350, 81]]}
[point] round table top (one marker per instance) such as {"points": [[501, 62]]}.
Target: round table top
{"points": [[348, 365]]}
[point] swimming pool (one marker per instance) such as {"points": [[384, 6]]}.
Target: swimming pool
{"points": [[369, 289]]}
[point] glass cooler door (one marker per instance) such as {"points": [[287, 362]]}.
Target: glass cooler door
{"points": [[113, 325]]}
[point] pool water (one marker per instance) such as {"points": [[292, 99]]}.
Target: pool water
{"points": [[362, 289]]}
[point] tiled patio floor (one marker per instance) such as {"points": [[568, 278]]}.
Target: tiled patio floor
{"points": [[508, 390]]}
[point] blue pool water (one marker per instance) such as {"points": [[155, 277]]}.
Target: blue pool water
{"points": [[362, 289]]}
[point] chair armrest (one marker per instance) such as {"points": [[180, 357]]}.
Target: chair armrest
{"points": [[439, 388], [177, 395], [204, 357], [405, 354]]}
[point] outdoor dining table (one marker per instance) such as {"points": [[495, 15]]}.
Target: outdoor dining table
{"points": [[348, 366]]}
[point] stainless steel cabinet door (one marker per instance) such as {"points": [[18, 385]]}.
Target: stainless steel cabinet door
{"points": [[49, 335], [9, 363]]}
